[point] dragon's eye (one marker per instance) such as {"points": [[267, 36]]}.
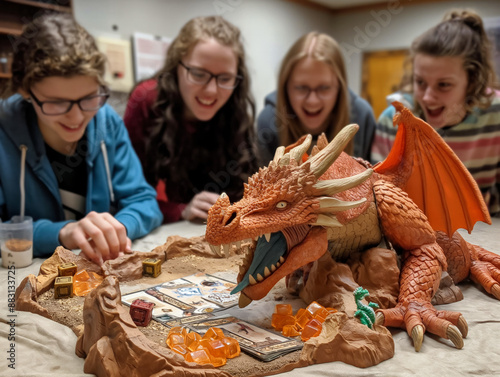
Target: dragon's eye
{"points": [[281, 205]]}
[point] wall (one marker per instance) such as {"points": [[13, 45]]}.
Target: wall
{"points": [[269, 27], [393, 27]]}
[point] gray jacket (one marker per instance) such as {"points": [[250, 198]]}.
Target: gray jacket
{"points": [[361, 113]]}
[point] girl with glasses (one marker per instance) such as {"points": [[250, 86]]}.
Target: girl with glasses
{"points": [[83, 182], [451, 85], [312, 97], [192, 124]]}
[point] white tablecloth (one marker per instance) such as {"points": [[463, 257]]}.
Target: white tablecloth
{"points": [[45, 348]]}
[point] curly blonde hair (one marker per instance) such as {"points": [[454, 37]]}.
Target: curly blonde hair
{"points": [[460, 34], [54, 45]]}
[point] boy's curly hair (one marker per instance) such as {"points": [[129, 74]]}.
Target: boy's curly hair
{"points": [[54, 45]]}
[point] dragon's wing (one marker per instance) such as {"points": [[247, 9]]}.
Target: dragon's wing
{"points": [[424, 166]]}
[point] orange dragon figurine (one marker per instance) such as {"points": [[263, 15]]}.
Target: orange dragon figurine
{"points": [[299, 207]]}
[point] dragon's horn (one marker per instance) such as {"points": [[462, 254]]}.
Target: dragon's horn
{"points": [[299, 150], [285, 160], [329, 204], [280, 151], [334, 186], [325, 158]]}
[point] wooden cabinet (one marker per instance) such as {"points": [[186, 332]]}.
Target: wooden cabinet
{"points": [[13, 15]]}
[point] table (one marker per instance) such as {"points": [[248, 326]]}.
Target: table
{"points": [[45, 348]]}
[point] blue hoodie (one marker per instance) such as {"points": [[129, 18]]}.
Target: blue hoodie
{"points": [[115, 178]]}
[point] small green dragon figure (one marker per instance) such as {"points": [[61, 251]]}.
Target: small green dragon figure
{"points": [[365, 313]]}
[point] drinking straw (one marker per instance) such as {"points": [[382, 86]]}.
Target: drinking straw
{"points": [[24, 148]]}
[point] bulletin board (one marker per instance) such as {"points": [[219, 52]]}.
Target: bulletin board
{"points": [[150, 52], [119, 74]]}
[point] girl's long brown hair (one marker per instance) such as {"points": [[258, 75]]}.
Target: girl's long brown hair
{"points": [[461, 33], [219, 146]]}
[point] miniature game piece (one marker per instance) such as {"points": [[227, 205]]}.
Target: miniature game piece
{"points": [[307, 323], [192, 340], [63, 287], [213, 348], [233, 347], [365, 313], [141, 312], [84, 282], [67, 269], [290, 330], [151, 267], [311, 329], [198, 357]]}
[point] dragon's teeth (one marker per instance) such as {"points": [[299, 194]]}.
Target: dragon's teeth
{"points": [[238, 244], [282, 259], [273, 268], [251, 279], [256, 238], [226, 250], [266, 272], [259, 277], [268, 236], [278, 264]]}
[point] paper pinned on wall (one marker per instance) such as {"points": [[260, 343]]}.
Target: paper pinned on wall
{"points": [[150, 52], [492, 27], [119, 65]]}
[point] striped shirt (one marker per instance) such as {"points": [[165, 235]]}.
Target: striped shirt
{"points": [[475, 141]]}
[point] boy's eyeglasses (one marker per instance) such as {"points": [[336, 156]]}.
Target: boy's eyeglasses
{"points": [[200, 76], [90, 103]]}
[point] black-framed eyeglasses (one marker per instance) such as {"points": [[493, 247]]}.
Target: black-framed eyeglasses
{"points": [[200, 76], [89, 103]]}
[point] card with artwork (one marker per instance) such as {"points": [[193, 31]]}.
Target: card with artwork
{"points": [[195, 295], [263, 344]]}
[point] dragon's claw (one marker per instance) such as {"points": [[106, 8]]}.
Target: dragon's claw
{"points": [[462, 326], [455, 336], [379, 318], [417, 334], [495, 291]]}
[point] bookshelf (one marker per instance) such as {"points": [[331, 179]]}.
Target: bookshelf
{"points": [[14, 15]]}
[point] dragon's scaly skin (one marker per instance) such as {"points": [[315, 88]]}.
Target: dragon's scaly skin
{"points": [[299, 209]]}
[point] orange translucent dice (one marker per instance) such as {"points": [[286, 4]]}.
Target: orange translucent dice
{"points": [[280, 320], [307, 322], [283, 309], [305, 317], [233, 347], [290, 330], [180, 349], [214, 333], [213, 348], [313, 307], [192, 340], [199, 357], [175, 339], [311, 329], [84, 282]]}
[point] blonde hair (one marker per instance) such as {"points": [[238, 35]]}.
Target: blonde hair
{"points": [[461, 34], [54, 45], [323, 48]]}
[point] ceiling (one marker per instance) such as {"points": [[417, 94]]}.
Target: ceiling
{"points": [[339, 4]]}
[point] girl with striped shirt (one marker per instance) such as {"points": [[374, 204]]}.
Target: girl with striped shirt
{"points": [[451, 86]]}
